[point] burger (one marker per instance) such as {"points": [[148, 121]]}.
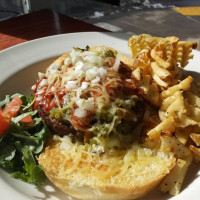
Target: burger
{"points": [[95, 113]]}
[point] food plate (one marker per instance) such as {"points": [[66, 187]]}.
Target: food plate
{"points": [[18, 72]]}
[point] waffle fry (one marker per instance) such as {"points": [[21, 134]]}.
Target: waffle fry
{"points": [[156, 71], [196, 138], [165, 49], [183, 85]]}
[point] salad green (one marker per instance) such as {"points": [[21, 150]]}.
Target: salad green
{"points": [[22, 142]]}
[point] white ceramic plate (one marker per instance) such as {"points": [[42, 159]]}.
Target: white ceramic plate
{"points": [[18, 72]]}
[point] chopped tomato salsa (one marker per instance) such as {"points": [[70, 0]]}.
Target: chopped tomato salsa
{"points": [[10, 111]]}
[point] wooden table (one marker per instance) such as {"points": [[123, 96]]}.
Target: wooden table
{"points": [[39, 24]]}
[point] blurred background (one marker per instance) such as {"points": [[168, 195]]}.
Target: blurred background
{"points": [[156, 17]]}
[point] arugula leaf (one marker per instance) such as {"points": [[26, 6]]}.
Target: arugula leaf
{"points": [[37, 145], [18, 94], [7, 153], [20, 117], [28, 106], [37, 121], [32, 172], [24, 136], [5, 101], [22, 142]]}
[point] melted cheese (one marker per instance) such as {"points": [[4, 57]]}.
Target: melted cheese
{"points": [[90, 82], [89, 75], [114, 163]]}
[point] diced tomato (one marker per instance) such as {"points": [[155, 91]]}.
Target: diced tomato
{"points": [[12, 108], [10, 111], [4, 124], [26, 119]]}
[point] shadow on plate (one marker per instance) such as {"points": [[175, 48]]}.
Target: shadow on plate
{"points": [[50, 191], [22, 81], [191, 175], [195, 75]]}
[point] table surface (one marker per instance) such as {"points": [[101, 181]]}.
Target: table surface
{"points": [[47, 22], [40, 24]]}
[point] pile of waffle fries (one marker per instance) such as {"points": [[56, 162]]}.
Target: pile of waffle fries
{"points": [[157, 73]]}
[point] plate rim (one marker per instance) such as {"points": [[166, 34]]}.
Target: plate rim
{"points": [[27, 43]]}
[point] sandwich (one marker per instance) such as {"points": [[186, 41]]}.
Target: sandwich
{"points": [[100, 116]]}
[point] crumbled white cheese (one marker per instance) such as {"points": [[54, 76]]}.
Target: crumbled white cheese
{"points": [[87, 104], [128, 102], [91, 73], [40, 92], [79, 73], [117, 63], [67, 60], [41, 75], [43, 82], [57, 138], [79, 91], [79, 65], [54, 66], [97, 60], [89, 53], [78, 112], [79, 69], [38, 98], [76, 59], [71, 85], [33, 87], [84, 85], [67, 78], [102, 72], [66, 98], [53, 71], [66, 144], [89, 66], [53, 89], [74, 53], [96, 80]]}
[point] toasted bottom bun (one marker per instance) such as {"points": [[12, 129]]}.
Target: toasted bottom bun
{"points": [[126, 174]]}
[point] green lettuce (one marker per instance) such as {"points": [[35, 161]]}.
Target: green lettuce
{"points": [[20, 145]]}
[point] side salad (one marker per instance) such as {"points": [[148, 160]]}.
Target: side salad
{"points": [[22, 137]]}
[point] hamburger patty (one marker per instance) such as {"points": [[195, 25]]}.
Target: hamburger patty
{"points": [[96, 91], [61, 128]]}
